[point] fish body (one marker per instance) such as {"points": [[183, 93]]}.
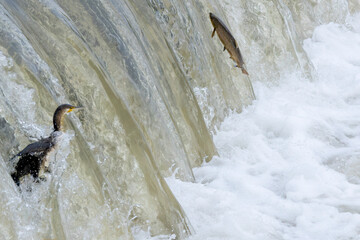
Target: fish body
{"points": [[228, 41]]}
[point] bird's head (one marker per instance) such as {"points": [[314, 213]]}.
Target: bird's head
{"points": [[59, 114]]}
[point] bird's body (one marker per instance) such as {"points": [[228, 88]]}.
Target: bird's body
{"points": [[33, 158]]}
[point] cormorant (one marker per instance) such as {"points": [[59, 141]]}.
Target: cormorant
{"points": [[33, 158]]}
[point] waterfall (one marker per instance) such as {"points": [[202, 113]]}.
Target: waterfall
{"points": [[154, 86]]}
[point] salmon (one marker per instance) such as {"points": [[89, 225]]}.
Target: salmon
{"points": [[228, 41]]}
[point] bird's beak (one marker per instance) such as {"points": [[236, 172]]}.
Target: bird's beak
{"points": [[72, 108]]}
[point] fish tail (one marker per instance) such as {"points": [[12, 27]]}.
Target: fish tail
{"points": [[244, 71]]}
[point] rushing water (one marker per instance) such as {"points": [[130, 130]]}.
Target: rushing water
{"points": [[288, 165], [154, 86]]}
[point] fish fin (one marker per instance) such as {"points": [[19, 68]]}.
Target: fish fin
{"points": [[213, 33], [224, 48]]}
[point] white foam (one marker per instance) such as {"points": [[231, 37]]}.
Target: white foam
{"points": [[289, 165], [202, 96], [16, 98]]}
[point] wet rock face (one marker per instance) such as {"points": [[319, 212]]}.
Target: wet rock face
{"points": [[8, 141]]}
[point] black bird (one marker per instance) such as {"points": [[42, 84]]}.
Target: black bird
{"points": [[33, 158]]}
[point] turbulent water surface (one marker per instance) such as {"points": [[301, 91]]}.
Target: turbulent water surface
{"points": [[161, 98], [288, 165]]}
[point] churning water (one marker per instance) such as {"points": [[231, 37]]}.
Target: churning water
{"points": [[289, 164]]}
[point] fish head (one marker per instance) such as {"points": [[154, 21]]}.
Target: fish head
{"points": [[214, 20]]}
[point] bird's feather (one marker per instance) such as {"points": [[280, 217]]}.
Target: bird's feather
{"points": [[38, 147]]}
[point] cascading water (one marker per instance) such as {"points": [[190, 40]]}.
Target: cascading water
{"points": [[154, 86]]}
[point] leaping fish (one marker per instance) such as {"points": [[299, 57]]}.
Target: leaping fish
{"points": [[228, 40]]}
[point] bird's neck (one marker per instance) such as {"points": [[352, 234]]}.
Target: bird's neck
{"points": [[58, 119]]}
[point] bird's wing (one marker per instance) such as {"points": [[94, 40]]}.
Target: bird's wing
{"points": [[37, 148]]}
